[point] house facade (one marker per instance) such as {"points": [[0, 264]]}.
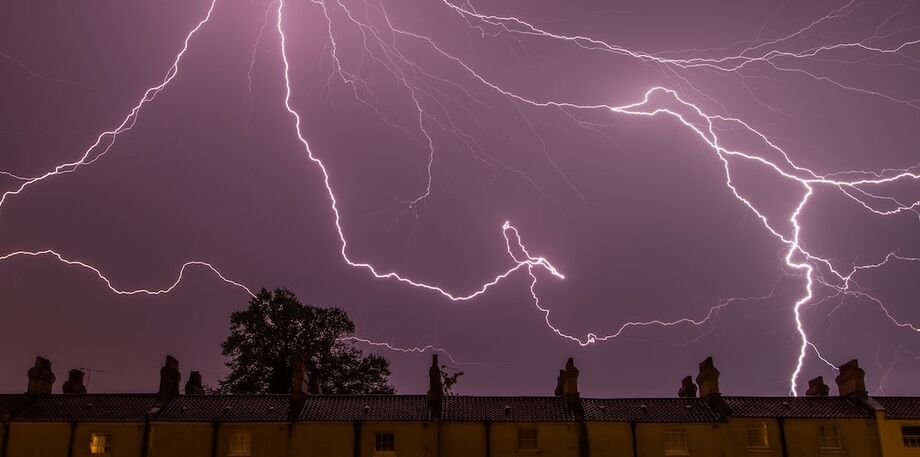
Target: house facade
{"points": [[700, 421]]}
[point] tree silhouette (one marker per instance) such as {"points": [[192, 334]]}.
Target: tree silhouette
{"points": [[269, 336]]}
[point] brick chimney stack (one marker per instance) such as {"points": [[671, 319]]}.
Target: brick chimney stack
{"points": [[435, 387], [560, 384], [169, 380], [817, 388], [708, 379], [300, 382], [851, 382], [41, 378], [74, 383], [570, 382], [193, 386], [687, 388]]}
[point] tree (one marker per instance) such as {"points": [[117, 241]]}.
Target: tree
{"points": [[268, 337], [449, 378]]}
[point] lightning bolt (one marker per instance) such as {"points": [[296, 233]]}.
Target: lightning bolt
{"points": [[865, 188]]}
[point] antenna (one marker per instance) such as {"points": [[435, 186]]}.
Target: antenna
{"points": [[89, 373]]}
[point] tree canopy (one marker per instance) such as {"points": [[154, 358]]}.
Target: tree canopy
{"points": [[268, 337]]}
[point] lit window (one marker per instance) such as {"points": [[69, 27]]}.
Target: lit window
{"points": [[829, 438], [385, 442], [911, 436], [756, 436], [527, 439], [100, 444], [240, 444], [675, 442]]}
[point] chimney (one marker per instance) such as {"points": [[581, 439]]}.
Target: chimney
{"points": [[300, 382], [852, 380], [817, 388], [193, 385], [708, 379], [687, 388], [570, 381], [41, 378], [169, 380], [560, 384], [435, 387], [74, 383]]}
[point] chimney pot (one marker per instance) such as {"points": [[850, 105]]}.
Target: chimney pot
{"points": [[560, 384], [817, 388], [300, 382], [852, 380], [169, 380], [708, 379], [193, 386], [41, 378], [570, 385], [435, 387], [74, 383], [687, 388]]}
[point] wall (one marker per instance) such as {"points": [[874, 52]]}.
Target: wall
{"points": [[704, 439], [891, 440], [610, 439], [179, 438], [463, 439], [555, 439], [859, 437], [322, 439], [38, 439]]}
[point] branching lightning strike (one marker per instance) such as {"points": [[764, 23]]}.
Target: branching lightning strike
{"points": [[861, 186]]}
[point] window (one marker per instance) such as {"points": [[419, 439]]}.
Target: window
{"points": [[675, 442], [527, 439], [100, 444], [756, 436], [385, 442], [911, 436], [240, 444], [829, 438]]}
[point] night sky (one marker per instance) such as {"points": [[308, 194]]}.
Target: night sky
{"points": [[633, 210]]}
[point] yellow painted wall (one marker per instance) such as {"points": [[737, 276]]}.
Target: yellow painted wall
{"points": [[126, 438], [268, 439], [463, 439], [610, 439], [322, 439], [169, 439], [858, 437], [703, 439], [736, 439], [891, 439], [555, 439], [38, 439], [413, 439]]}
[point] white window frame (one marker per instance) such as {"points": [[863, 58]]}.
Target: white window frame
{"points": [[377, 450], [240, 444], [911, 441], [676, 442], [527, 440], [823, 434], [757, 437], [105, 444]]}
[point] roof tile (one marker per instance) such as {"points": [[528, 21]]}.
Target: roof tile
{"points": [[225, 408], [650, 410], [365, 407], [506, 409], [88, 408], [796, 407]]}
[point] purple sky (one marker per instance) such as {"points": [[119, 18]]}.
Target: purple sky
{"points": [[634, 210]]}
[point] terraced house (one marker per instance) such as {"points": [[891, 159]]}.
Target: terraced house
{"points": [[305, 423]]}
